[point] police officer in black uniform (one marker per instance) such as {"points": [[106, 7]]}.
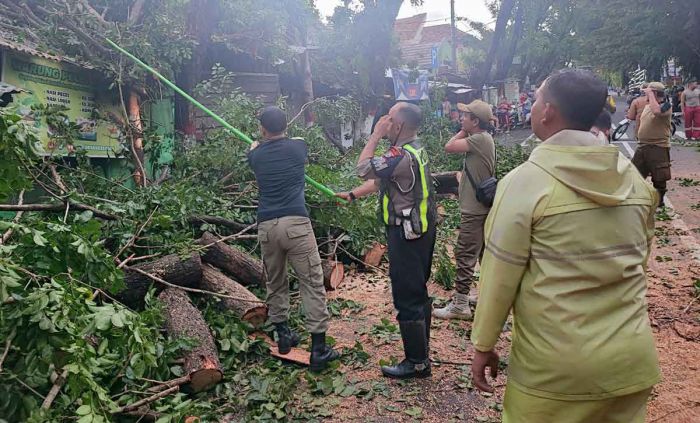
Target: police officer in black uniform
{"points": [[407, 209]]}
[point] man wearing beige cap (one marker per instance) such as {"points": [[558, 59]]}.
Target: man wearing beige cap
{"points": [[476, 144], [653, 155]]}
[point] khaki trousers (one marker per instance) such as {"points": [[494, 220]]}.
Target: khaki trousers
{"points": [[291, 239]]}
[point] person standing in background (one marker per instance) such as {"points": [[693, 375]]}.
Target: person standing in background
{"points": [[653, 155], [690, 106], [477, 146], [636, 108]]}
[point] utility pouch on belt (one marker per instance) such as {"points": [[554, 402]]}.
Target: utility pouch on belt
{"points": [[486, 190], [410, 222]]}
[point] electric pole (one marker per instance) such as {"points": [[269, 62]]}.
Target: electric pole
{"points": [[454, 42]]}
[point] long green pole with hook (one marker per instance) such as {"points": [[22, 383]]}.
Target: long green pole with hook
{"points": [[240, 135]]}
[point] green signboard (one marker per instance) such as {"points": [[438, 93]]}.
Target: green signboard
{"points": [[56, 83]]}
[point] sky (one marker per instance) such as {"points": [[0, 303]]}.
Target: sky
{"points": [[438, 10]]}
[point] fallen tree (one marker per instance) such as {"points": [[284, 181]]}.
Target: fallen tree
{"points": [[243, 267], [244, 303], [185, 272], [183, 320]]}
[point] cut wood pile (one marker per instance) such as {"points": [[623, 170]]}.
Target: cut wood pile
{"points": [[222, 271]]}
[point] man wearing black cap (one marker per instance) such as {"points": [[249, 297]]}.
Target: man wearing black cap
{"points": [[285, 234]]}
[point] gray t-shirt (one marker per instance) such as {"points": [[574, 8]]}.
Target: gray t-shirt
{"points": [[481, 162]]}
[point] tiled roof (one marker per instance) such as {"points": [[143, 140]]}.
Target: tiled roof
{"points": [[416, 40], [407, 28], [437, 33], [11, 41]]}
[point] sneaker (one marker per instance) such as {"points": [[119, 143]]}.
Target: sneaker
{"points": [[458, 308]]}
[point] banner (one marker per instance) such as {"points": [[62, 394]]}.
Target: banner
{"points": [[54, 83], [407, 90]]}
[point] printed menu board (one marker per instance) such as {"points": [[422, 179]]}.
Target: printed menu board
{"points": [[54, 83]]}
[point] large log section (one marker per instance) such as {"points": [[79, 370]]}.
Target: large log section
{"points": [[245, 304], [183, 320], [185, 272], [244, 268]]}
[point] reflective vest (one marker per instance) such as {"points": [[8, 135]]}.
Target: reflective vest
{"points": [[422, 192]]}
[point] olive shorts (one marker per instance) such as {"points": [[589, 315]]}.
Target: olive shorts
{"points": [[291, 239]]}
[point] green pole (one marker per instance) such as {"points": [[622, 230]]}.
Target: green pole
{"points": [[240, 135]]}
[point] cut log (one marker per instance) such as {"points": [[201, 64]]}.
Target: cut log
{"points": [[246, 305], [172, 268], [375, 254], [333, 274], [244, 268], [183, 320]]}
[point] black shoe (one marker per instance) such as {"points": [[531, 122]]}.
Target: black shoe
{"points": [[321, 354], [415, 344], [286, 338]]}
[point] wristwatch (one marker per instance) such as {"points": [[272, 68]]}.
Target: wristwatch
{"points": [[352, 196]]}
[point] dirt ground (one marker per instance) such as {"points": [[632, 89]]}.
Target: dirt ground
{"points": [[448, 396]]}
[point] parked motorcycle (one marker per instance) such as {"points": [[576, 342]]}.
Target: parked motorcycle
{"points": [[623, 126]]}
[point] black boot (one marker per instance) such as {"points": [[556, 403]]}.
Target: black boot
{"points": [[415, 345], [662, 193], [286, 338], [321, 353]]}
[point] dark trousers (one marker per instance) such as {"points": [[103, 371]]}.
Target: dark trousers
{"points": [[409, 270], [654, 161], [470, 243]]}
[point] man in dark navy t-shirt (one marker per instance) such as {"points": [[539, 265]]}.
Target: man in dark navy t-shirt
{"points": [[285, 234]]}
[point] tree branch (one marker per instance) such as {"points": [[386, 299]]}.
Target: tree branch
{"points": [[152, 398], [57, 207], [18, 216], [93, 12], [55, 389]]}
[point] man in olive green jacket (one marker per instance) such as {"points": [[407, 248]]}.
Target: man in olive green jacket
{"points": [[567, 243]]}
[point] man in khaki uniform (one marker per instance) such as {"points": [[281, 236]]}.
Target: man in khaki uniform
{"points": [[476, 145], [653, 155], [636, 109], [567, 242], [285, 234]]}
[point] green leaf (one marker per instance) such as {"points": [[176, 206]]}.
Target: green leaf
{"points": [[39, 239], [117, 320], [83, 410]]}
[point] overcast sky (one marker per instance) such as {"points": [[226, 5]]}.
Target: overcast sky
{"points": [[438, 10]]}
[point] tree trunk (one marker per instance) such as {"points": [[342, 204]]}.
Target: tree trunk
{"points": [[246, 305], [507, 60], [333, 274], [140, 176], [183, 320], [308, 83], [172, 268], [244, 268], [501, 22]]}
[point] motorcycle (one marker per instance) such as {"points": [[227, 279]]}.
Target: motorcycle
{"points": [[624, 125]]}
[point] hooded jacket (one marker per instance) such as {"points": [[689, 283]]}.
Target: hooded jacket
{"points": [[567, 243]]}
